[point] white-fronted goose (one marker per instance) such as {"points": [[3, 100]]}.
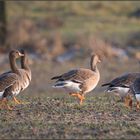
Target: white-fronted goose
{"points": [[25, 73], [121, 85], [135, 88], [11, 83], [80, 81]]}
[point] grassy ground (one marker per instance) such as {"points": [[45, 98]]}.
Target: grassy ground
{"points": [[50, 113], [100, 117]]}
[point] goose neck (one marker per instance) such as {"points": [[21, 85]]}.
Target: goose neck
{"points": [[13, 64], [93, 64]]}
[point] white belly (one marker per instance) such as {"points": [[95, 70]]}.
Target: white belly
{"points": [[69, 86], [1, 94], [138, 97], [121, 91], [72, 87]]}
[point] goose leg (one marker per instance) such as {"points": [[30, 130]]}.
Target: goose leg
{"points": [[74, 94], [4, 104], [128, 101], [79, 96], [138, 105], [16, 101], [19, 102]]}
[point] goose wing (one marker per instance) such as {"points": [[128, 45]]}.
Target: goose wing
{"points": [[124, 80], [7, 79], [77, 75], [136, 86]]}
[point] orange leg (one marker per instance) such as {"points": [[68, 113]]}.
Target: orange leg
{"points": [[74, 94], [4, 104], [79, 96], [138, 105], [128, 101], [16, 101]]}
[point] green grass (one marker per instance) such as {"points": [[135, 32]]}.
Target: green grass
{"points": [[99, 117]]}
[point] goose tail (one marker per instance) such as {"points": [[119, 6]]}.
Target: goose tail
{"points": [[106, 84], [59, 85], [55, 77]]}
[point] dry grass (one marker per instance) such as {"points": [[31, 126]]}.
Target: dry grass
{"points": [[100, 117]]}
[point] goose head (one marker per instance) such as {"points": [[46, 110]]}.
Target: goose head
{"points": [[15, 54], [23, 51], [95, 58]]}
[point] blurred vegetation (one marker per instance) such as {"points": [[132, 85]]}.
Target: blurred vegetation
{"points": [[2, 23], [40, 26]]}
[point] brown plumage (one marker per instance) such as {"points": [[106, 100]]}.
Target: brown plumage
{"points": [[12, 82], [25, 71], [125, 79], [80, 81], [121, 85], [135, 89]]}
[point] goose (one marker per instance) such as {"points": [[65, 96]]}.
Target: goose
{"points": [[11, 83], [121, 85], [135, 89], [79, 81], [25, 73]]}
